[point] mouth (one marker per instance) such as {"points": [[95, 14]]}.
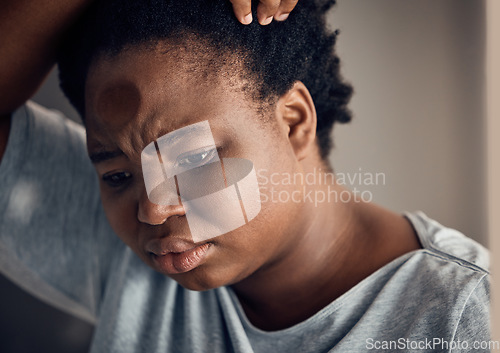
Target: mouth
{"points": [[174, 262]]}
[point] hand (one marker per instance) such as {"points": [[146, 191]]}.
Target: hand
{"points": [[267, 10]]}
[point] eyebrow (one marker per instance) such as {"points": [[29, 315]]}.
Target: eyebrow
{"points": [[102, 156]]}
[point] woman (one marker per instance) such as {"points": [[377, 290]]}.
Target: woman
{"points": [[341, 275]]}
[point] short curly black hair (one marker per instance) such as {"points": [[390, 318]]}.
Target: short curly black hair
{"points": [[298, 49]]}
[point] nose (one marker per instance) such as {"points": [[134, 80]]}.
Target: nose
{"points": [[153, 214]]}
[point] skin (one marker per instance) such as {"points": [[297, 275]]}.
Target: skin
{"points": [[32, 32], [290, 261], [267, 10]]}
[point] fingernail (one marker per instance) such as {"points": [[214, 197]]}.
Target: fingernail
{"points": [[248, 19], [282, 17], [267, 20]]}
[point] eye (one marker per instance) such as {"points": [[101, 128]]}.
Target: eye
{"points": [[196, 159], [116, 180]]}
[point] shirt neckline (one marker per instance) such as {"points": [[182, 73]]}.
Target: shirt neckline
{"points": [[344, 298]]}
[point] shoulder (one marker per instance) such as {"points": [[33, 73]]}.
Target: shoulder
{"points": [[34, 113], [450, 266], [54, 238], [448, 280], [37, 133], [449, 244], [38, 119], [449, 260], [42, 137], [46, 164]]}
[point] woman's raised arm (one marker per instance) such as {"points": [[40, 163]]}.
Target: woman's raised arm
{"points": [[31, 32]]}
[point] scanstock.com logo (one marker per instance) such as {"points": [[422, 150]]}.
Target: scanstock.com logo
{"points": [[218, 195]]}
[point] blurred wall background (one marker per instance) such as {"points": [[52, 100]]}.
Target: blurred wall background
{"points": [[417, 67]]}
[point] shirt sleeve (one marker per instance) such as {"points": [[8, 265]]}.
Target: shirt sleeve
{"points": [[54, 239], [473, 329]]}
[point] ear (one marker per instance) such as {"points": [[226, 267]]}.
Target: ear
{"points": [[296, 112]]}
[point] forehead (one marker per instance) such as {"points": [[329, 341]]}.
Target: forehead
{"points": [[153, 78], [172, 86]]}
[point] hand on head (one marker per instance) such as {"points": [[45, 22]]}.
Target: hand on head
{"points": [[267, 10]]}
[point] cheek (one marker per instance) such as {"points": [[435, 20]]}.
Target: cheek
{"points": [[121, 213], [281, 197]]}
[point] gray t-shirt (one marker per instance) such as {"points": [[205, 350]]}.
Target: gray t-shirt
{"points": [[56, 243]]}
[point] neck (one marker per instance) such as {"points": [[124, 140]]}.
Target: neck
{"points": [[320, 267], [339, 244]]}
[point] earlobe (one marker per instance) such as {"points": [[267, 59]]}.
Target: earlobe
{"points": [[297, 112]]}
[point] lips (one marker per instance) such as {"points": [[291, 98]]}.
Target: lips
{"points": [[173, 256]]}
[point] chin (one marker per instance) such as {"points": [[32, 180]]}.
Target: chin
{"points": [[200, 280]]}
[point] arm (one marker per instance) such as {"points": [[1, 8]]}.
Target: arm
{"points": [[31, 31]]}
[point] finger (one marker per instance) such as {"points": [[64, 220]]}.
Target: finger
{"points": [[284, 9], [243, 10], [266, 10]]}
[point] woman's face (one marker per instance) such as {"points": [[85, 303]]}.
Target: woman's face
{"points": [[140, 95]]}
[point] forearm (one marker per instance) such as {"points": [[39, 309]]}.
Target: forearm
{"points": [[30, 34]]}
